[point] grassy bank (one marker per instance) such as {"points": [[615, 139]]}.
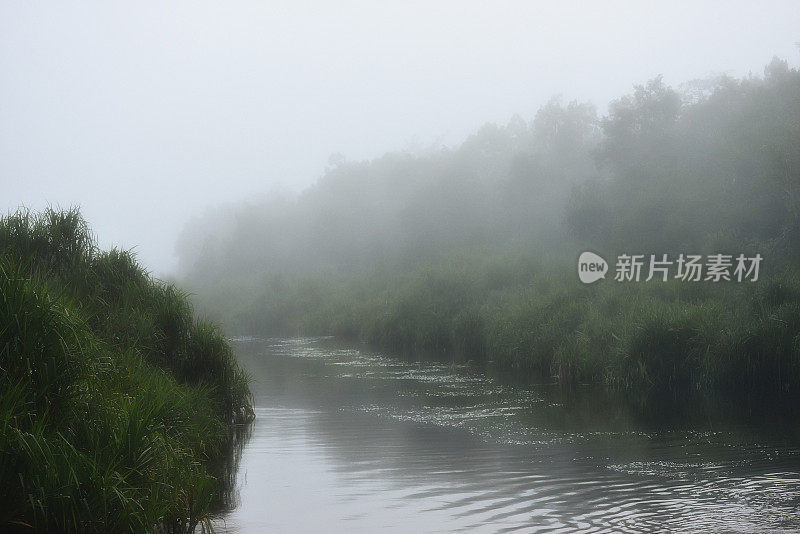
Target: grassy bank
{"points": [[117, 407], [513, 313]]}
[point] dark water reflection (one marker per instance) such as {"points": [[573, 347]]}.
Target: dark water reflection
{"points": [[347, 440]]}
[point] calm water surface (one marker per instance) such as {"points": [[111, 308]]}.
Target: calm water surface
{"points": [[348, 440]]}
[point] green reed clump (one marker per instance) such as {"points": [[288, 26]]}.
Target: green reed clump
{"points": [[116, 405], [541, 322]]}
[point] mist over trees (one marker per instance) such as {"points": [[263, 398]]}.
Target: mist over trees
{"points": [[714, 169], [504, 186], [714, 165]]}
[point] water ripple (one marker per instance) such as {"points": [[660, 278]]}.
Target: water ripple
{"points": [[350, 441]]}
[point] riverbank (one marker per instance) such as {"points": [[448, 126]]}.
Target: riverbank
{"points": [[540, 321], [118, 409]]}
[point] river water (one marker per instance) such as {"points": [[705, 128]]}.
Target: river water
{"points": [[349, 440]]}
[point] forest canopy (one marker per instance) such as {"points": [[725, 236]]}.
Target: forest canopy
{"points": [[711, 165]]}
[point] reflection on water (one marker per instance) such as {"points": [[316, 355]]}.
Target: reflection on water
{"points": [[351, 441], [226, 468]]}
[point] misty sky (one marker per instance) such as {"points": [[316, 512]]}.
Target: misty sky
{"points": [[146, 114]]}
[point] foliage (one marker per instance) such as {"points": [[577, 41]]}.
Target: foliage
{"points": [[115, 404]]}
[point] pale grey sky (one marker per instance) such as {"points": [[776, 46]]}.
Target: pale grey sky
{"points": [[147, 113]]}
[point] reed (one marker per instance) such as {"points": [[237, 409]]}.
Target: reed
{"points": [[116, 404], [540, 322]]}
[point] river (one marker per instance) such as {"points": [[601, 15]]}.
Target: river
{"points": [[350, 440]]}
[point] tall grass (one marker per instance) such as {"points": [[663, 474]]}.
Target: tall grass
{"points": [[541, 322], [117, 407]]}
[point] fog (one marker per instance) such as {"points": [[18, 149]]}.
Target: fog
{"points": [[147, 115]]}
